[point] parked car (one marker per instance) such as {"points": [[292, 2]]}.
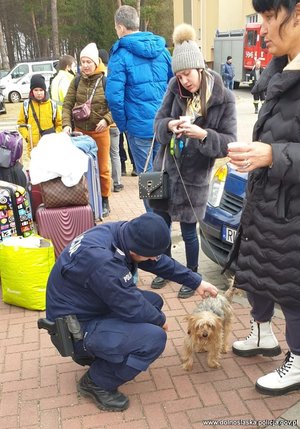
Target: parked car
{"points": [[223, 212], [29, 67], [2, 104], [16, 91], [3, 73]]}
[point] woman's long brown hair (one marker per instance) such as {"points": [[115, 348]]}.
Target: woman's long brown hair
{"points": [[203, 91]]}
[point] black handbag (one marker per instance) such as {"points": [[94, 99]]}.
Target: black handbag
{"points": [[154, 185]]}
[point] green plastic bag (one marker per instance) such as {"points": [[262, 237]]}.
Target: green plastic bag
{"points": [[25, 267]]}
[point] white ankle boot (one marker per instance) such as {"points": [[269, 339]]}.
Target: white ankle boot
{"points": [[260, 341], [282, 380]]}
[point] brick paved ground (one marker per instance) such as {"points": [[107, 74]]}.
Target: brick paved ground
{"points": [[38, 387]]}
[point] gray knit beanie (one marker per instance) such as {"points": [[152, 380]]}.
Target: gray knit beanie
{"points": [[186, 54]]}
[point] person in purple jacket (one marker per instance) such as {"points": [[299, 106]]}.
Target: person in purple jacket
{"points": [[123, 327]]}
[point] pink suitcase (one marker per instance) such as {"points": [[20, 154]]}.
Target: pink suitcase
{"points": [[36, 197], [61, 225]]}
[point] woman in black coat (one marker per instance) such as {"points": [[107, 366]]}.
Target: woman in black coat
{"points": [[200, 113], [268, 243]]}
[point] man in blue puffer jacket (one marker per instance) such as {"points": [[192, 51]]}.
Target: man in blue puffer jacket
{"points": [[138, 73]]}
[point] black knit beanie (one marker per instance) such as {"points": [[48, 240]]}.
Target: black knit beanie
{"points": [[37, 81], [147, 235]]}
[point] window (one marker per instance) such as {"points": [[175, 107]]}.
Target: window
{"points": [[20, 71], [251, 38], [252, 18], [42, 67]]}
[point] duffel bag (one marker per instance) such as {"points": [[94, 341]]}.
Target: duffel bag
{"points": [[11, 148], [56, 194]]}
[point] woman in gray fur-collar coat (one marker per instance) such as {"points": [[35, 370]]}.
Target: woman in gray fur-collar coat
{"points": [[200, 96]]}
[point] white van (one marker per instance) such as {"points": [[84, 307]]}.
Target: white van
{"points": [[22, 69], [15, 91]]}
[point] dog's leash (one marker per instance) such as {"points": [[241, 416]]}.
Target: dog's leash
{"points": [[196, 217]]}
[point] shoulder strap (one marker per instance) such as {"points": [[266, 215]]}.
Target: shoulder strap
{"points": [[77, 79], [150, 153], [54, 110], [35, 117], [95, 87], [25, 108]]}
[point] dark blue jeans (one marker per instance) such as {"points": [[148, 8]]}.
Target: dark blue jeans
{"points": [[140, 148], [229, 84], [190, 238]]}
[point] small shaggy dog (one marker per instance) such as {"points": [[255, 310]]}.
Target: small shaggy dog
{"points": [[208, 329]]}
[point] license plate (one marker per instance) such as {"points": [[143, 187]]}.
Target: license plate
{"points": [[228, 234]]}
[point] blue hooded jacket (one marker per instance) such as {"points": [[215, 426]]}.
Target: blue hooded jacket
{"points": [[138, 73]]}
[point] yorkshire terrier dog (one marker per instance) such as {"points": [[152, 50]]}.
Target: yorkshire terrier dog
{"points": [[208, 329]]}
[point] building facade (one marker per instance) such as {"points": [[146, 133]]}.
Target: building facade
{"points": [[210, 16]]}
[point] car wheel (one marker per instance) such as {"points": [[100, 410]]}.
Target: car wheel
{"points": [[14, 97]]}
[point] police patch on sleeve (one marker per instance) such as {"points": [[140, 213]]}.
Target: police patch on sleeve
{"points": [[126, 279], [75, 244]]}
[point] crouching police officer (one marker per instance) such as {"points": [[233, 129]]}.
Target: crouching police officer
{"points": [[123, 327]]}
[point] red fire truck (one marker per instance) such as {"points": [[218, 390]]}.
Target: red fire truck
{"points": [[245, 46]]}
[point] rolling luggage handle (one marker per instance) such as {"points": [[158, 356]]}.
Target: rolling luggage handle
{"points": [[28, 126], [34, 190], [93, 182]]}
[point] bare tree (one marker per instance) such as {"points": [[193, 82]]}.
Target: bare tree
{"points": [[3, 55], [54, 20], [138, 7], [34, 26]]}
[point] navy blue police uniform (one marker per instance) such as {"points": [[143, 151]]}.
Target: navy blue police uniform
{"points": [[121, 324]]}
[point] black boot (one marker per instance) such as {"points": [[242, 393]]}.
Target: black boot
{"points": [[104, 399], [118, 187], [105, 207], [158, 282], [185, 291], [133, 173]]}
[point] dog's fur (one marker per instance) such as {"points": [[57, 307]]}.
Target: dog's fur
{"points": [[208, 329]]}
